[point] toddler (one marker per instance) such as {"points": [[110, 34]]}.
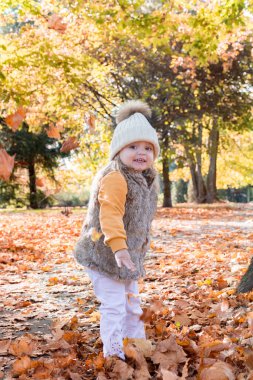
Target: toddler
{"points": [[115, 235]]}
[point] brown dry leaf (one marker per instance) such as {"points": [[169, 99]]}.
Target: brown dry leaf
{"points": [[130, 351], [101, 376], [218, 371], [99, 362], [168, 354], [53, 281], [183, 319], [168, 375], [4, 346], [122, 370], [55, 22], [69, 144], [21, 304], [250, 321], [6, 165], [74, 376], [147, 315], [185, 370], [24, 345], [143, 345], [182, 303], [14, 120], [65, 361], [249, 358], [21, 365], [141, 372], [43, 369], [156, 305], [214, 346], [73, 323]]}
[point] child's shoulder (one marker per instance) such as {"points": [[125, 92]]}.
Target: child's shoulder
{"points": [[114, 176]]}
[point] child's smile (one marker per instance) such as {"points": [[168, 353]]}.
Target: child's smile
{"points": [[138, 155]]}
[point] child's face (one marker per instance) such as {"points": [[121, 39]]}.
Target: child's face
{"points": [[138, 155]]}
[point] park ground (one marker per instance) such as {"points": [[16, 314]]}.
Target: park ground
{"points": [[197, 327]]}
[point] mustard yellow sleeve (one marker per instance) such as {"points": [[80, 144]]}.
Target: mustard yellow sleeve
{"points": [[112, 199]]}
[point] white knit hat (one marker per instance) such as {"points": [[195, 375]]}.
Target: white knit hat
{"points": [[132, 125]]}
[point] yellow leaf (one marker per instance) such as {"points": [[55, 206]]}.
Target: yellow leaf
{"points": [[95, 235]]}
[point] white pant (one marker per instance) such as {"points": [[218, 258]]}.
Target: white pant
{"points": [[120, 312]]}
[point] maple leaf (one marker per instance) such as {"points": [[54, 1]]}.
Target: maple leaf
{"points": [[69, 144], [55, 22], [14, 120], [6, 164]]}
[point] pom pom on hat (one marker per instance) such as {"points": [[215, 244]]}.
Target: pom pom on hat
{"points": [[130, 107], [133, 125]]}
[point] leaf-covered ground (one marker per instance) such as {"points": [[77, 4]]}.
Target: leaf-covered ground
{"points": [[197, 328]]}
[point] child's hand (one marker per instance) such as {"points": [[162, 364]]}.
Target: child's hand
{"points": [[122, 257]]}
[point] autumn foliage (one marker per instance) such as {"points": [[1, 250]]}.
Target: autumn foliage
{"points": [[197, 327]]}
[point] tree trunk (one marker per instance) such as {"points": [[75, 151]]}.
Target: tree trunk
{"points": [[246, 282], [201, 197], [167, 202], [212, 171], [32, 186], [194, 176], [194, 180]]}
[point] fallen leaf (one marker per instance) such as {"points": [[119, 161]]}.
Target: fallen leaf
{"points": [[168, 354], [122, 371], [21, 365], [168, 375], [218, 371], [24, 345]]}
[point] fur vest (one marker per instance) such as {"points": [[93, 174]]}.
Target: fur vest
{"points": [[140, 207]]}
